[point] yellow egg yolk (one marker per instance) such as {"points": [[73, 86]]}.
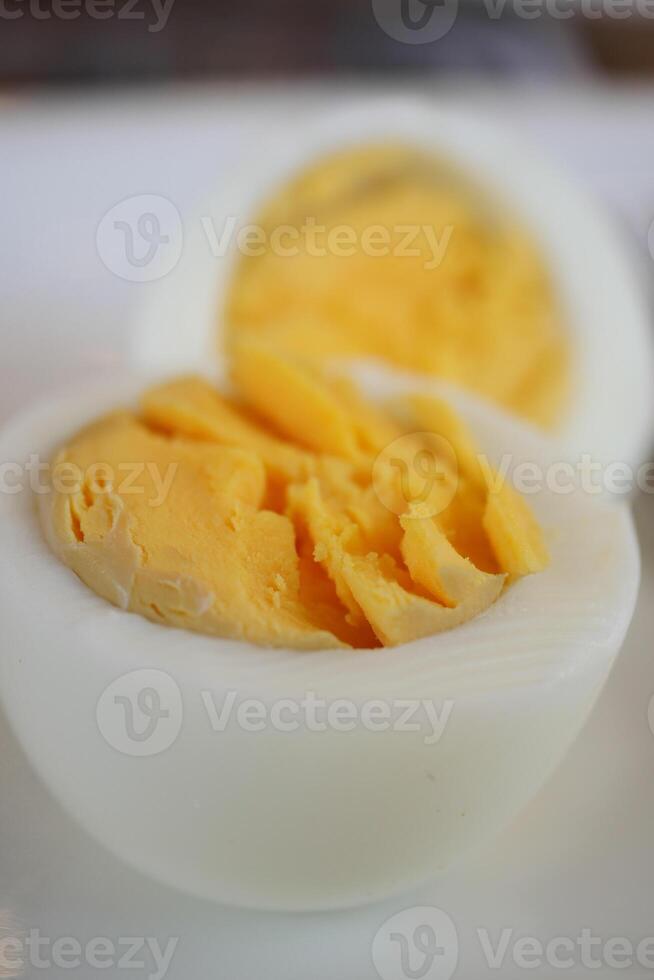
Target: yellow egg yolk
{"points": [[290, 513], [384, 252]]}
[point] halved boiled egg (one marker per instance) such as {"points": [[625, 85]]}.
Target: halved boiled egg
{"points": [[287, 779], [522, 292]]}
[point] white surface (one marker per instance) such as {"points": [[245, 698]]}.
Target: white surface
{"points": [[581, 854]]}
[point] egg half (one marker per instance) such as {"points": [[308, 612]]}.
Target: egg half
{"points": [[303, 780], [593, 268]]}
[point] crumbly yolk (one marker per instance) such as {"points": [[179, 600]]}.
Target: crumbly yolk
{"points": [[384, 252], [275, 515]]}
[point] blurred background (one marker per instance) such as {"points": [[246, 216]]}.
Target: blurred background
{"points": [[105, 99], [64, 42]]}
